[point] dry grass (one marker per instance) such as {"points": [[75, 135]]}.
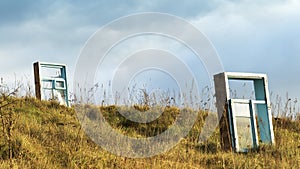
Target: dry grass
{"points": [[47, 135]]}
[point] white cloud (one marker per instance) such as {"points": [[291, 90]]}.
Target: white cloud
{"points": [[257, 37], [249, 35]]}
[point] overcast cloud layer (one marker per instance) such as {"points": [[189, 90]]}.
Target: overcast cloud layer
{"points": [[252, 36]]}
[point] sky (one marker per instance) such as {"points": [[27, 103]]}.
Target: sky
{"points": [[249, 36]]}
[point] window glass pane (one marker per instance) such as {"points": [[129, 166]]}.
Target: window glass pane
{"points": [[241, 109], [50, 72], [60, 84], [47, 95], [47, 84], [244, 132], [241, 89]]}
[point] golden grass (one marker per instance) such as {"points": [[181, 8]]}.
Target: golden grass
{"points": [[47, 135]]}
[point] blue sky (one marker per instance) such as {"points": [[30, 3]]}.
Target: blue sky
{"points": [[249, 36]]}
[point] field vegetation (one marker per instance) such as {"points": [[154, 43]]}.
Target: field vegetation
{"points": [[44, 134]]}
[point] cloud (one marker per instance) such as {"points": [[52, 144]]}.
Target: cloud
{"points": [[249, 35], [12, 12], [257, 36]]}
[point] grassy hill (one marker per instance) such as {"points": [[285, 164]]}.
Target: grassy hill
{"points": [[40, 134]]}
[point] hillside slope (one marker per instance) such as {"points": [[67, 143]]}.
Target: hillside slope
{"points": [[37, 134]]}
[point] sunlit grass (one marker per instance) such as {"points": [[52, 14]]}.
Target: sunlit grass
{"points": [[47, 135]]}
